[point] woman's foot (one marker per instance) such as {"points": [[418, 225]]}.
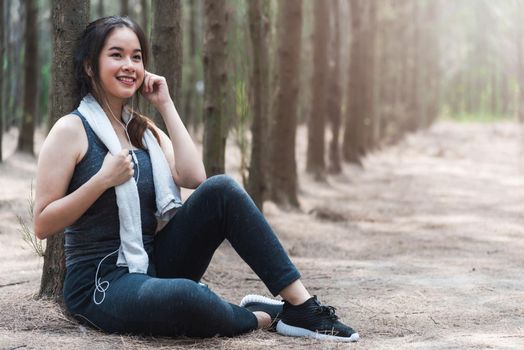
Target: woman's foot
{"points": [[263, 320], [260, 304], [312, 319]]}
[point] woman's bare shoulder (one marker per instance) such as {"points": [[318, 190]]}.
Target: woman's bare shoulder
{"points": [[68, 132], [68, 123]]}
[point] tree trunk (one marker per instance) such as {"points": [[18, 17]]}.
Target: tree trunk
{"points": [[145, 16], [432, 62], [215, 82], [2, 78], [354, 133], [316, 164], [493, 106], [283, 129], [124, 7], [520, 61], [334, 98], [191, 78], [16, 67], [384, 112], [258, 28], [415, 70], [166, 38], [371, 42], [504, 93], [8, 83], [70, 18], [100, 8], [403, 21], [31, 75]]}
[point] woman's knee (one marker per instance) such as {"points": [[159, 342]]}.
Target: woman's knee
{"points": [[222, 184]]}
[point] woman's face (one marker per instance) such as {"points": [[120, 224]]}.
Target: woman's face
{"points": [[120, 64]]}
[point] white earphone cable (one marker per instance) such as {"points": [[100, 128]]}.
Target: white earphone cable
{"points": [[124, 126], [101, 286]]}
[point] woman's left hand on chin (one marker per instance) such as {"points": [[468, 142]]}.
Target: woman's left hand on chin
{"points": [[155, 89]]}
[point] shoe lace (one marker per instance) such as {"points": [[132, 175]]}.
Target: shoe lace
{"points": [[328, 311]]}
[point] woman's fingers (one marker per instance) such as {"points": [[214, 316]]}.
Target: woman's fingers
{"points": [[151, 83], [155, 88], [150, 80]]}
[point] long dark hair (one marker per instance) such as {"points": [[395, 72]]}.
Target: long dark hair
{"points": [[87, 54]]}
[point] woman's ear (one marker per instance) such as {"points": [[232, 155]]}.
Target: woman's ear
{"points": [[88, 69]]}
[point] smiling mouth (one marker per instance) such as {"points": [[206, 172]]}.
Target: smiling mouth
{"points": [[126, 80]]}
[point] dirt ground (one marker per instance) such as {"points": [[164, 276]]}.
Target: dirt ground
{"points": [[423, 248]]}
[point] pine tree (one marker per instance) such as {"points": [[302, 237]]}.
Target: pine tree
{"points": [[283, 168], [334, 98], [166, 39], [316, 164], [2, 77], [26, 136], [258, 27], [215, 79], [65, 33]]}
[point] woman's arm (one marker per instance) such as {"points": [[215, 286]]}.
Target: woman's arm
{"points": [[54, 210], [185, 161]]}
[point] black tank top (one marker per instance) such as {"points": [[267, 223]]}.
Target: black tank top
{"points": [[96, 233]]}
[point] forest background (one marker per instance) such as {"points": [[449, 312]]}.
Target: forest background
{"points": [[286, 96]]}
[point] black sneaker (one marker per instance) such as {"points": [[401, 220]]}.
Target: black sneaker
{"points": [[312, 319], [272, 307]]}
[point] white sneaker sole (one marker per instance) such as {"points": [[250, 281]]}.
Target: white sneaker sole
{"points": [[292, 331], [254, 298]]}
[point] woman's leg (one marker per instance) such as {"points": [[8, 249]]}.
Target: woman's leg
{"points": [[141, 304], [295, 293], [220, 209]]}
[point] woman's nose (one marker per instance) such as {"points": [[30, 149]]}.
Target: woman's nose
{"points": [[128, 65]]}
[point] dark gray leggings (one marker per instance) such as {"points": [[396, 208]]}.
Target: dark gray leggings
{"points": [[169, 300]]}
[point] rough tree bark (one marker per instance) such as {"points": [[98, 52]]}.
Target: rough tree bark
{"points": [[315, 163], [283, 168], [70, 17], [215, 79], [259, 27], [26, 136], [166, 39]]}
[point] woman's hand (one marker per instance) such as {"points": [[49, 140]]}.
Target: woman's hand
{"points": [[116, 169], [155, 90]]}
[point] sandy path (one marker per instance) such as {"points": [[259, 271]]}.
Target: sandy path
{"points": [[421, 249]]}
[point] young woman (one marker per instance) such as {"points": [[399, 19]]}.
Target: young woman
{"points": [[80, 189]]}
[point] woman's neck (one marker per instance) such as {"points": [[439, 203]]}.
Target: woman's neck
{"points": [[113, 108]]}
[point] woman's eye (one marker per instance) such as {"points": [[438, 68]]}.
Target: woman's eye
{"points": [[115, 54], [137, 57]]}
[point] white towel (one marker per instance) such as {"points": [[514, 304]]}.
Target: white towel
{"points": [[131, 252]]}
